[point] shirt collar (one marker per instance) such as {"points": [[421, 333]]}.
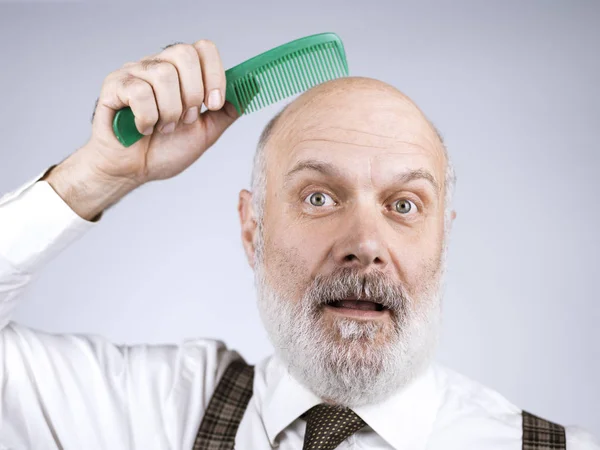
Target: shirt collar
{"points": [[285, 399], [404, 420]]}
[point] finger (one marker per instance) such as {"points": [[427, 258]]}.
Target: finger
{"points": [[213, 75], [185, 59], [139, 95], [122, 89], [164, 79], [216, 122]]}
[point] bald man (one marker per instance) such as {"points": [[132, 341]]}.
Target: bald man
{"points": [[346, 230]]}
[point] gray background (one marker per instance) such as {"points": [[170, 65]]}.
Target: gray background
{"points": [[514, 88]]}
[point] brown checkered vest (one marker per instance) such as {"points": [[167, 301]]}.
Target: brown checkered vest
{"points": [[228, 403]]}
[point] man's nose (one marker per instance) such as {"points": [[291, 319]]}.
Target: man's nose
{"points": [[363, 244]]}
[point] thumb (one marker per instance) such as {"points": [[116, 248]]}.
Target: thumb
{"points": [[216, 122]]}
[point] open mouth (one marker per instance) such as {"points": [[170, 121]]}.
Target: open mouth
{"points": [[362, 305]]}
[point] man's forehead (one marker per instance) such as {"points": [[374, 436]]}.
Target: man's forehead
{"points": [[376, 123], [359, 108], [350, 137]]}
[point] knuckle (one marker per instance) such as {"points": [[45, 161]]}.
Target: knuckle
{"points": [[113, 77], [172, 45], [185, 52], [127, 80], [139, 89], [165, 72], [159, 68], [149, 63], [206, 44]]}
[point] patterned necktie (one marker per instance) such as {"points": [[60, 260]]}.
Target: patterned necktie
{"points": [[327, 426]]}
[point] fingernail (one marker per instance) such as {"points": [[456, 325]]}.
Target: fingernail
{"points": [[191, 115], [214, 99], [148, 131], [168, 128]]}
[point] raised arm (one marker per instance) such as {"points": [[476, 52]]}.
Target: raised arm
{"points": [[75, 391]]}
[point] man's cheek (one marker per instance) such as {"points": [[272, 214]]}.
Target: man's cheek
{"points": [[422, 276], [288, 268]]}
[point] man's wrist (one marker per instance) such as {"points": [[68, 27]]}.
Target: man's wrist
{"points": [[86, 190]]}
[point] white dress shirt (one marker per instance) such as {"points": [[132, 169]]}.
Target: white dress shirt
{"points": [[60, 391]]}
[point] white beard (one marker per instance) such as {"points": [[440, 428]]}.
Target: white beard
{"points": [[354, 362]]}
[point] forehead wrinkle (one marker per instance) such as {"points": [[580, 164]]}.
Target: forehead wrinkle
{"points": [[334, 141], [333, 127], [374, 140], [392, 151]]}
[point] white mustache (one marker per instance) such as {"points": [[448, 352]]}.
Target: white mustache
{"points": [[348, 284]]}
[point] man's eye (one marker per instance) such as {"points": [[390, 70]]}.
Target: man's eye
{"points": [[318, 199], [404, 206]]}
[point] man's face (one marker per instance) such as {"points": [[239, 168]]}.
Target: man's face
{"points": [[353, 238]]}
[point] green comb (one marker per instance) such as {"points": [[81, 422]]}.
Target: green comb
{"points": [[267, 78]]}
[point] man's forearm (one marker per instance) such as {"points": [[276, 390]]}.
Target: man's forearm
{"points": [[86, 191]]}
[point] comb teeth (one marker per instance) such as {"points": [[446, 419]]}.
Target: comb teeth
{"points": [[289, 75]]}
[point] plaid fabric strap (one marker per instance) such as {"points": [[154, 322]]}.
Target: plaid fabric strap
{"points": [[539, 434], [226, 408]]}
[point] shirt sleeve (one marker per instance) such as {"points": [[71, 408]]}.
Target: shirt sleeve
{"points": [[82, 391], [35, 226]]}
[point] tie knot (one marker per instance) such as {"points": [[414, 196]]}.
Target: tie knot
{"points": [[328, 425]]}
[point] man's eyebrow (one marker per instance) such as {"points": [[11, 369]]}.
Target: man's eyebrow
{"points": [[418, 174], [329, 169], [325, 168]]}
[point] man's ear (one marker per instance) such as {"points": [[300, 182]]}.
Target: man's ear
{"points": [[248, 223], [452, 217]]}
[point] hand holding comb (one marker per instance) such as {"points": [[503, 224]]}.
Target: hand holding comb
{"points": [[267, 78]]}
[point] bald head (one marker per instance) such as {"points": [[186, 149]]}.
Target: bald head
{"points": [[324, 96]]}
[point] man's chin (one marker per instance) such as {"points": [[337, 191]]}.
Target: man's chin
{"points": [[348, 332], [348, 360]]}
